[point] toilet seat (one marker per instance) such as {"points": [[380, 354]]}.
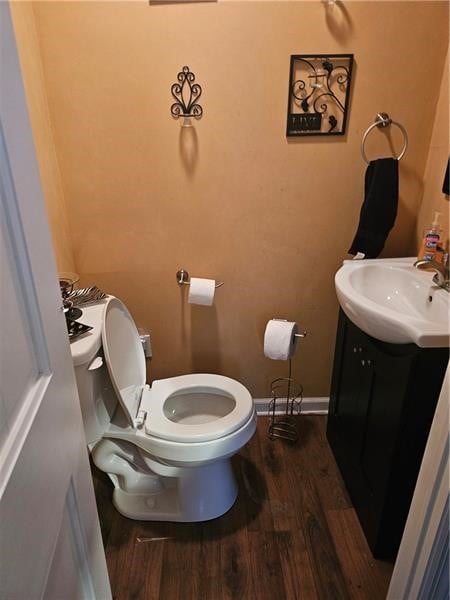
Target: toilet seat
{"points": [[221, 404], [124, 357], [198, 419]]}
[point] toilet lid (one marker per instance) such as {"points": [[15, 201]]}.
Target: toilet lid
{"points": [[124, 356], [196, 408]]}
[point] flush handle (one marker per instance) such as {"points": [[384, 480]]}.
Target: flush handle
{"points": [[96, 363]]}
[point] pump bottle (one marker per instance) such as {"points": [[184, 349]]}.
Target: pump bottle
{"points": [[431, 238]]}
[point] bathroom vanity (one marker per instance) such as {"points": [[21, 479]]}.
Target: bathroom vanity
{"points": [[382, 401]]}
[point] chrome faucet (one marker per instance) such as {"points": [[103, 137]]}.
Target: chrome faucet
{"points": [[441, 277]]}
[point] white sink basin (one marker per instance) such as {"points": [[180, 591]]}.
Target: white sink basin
{"points": [[390, 300]]}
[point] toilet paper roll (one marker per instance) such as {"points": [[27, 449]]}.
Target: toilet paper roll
{"points": [[279, 339], [201, 291]]}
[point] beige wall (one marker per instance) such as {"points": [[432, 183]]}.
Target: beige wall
{"points": [[433, 198], [232, 199], [30, 59]]}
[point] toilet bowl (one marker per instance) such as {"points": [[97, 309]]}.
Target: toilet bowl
{"points": [[167, 446]]}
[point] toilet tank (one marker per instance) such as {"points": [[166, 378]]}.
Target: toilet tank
{"points": [[97, 397]]}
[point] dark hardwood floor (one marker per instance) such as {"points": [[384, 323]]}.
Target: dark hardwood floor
{"points": [[291, 534]]}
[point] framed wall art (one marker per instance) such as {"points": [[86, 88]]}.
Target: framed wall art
{"points": [[319, 91]]}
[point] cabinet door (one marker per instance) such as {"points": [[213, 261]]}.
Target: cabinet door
{"points": [[349, 397], [351, 402], [368, 401], [388, 373]]}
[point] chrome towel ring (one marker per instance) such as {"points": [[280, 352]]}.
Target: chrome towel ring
{"points": [[384, 120]]}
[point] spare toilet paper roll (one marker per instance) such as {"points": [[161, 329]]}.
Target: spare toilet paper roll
{"points": [[279, 339], [201, 291]]}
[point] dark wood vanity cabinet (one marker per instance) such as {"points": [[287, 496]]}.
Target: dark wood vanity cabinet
{"points": [[382, 401]]}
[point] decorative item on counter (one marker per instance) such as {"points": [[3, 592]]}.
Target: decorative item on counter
{"points": [[85, 296], [318, 96], [75, 329], [186, 94], [66, 283], [71, 298]]}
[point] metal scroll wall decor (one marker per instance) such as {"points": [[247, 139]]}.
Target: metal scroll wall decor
{"points": [[319, 88], [186, 94]]}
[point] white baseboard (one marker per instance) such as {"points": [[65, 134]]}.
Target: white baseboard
{"points": [[316, 406]]}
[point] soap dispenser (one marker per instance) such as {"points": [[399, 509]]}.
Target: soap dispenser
{"points": [[431, 237]]}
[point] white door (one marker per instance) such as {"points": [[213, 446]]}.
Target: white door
{"points": [[50, 541]]}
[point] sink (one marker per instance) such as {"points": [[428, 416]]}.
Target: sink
{"points": [[394, 302]]}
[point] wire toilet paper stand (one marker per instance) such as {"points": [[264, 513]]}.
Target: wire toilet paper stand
{"points": [[285, 390]]}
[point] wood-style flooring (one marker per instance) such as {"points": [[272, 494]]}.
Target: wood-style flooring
{"points": [[291, 534]]}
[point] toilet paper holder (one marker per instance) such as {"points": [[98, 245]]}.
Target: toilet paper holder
{"points": [[183, 279], [302, 334]]}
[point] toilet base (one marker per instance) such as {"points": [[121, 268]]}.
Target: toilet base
{"points": [[199, 494]]}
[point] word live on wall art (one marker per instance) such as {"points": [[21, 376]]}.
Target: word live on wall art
{"points": [[319, 89]]}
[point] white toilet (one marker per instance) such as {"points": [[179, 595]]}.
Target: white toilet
{"points": [[167, 447]]}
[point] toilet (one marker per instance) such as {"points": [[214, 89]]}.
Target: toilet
{"points": [[166, 447]]}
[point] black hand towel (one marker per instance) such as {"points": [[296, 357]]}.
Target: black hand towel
{"points": [[446, 184], [379, 207]]}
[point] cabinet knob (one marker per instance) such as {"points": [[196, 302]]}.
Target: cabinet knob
{"points": [[354, 349], [366, 363]]}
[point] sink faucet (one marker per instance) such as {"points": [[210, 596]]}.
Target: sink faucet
{"points": [[441, 277]]}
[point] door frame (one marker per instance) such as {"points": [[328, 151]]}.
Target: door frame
{"points": [[421, 568]]}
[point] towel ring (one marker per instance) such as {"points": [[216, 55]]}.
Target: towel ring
{"points": [[384, 120]]}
